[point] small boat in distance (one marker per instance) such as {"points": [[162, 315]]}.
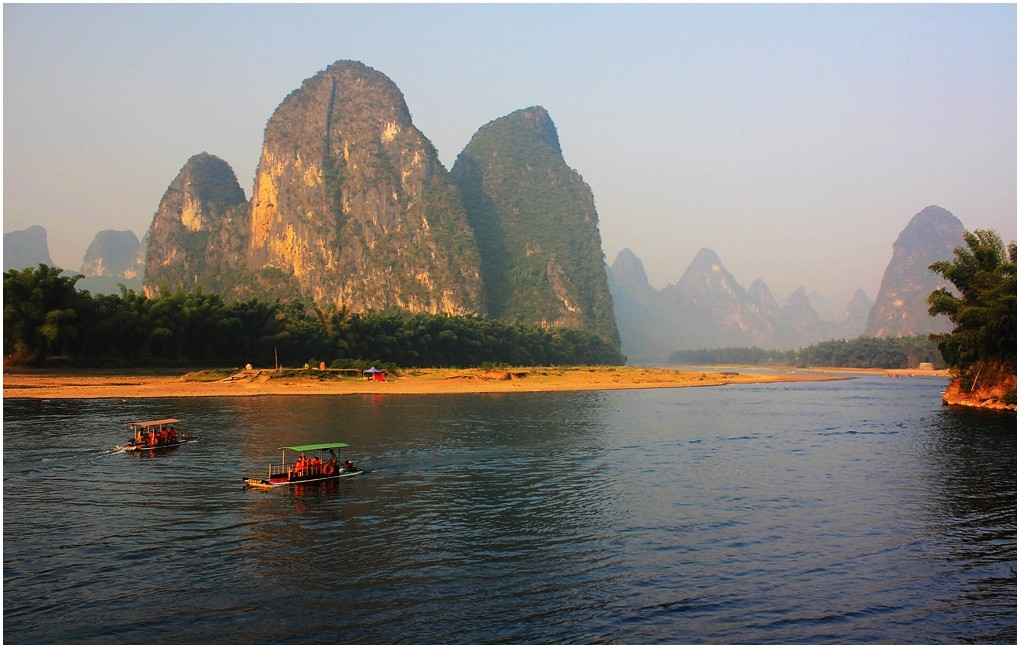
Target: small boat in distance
{"points": [[154, 435], [320, 467]]}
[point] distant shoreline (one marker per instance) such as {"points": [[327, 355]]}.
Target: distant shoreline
{"points": [[125, 384]]}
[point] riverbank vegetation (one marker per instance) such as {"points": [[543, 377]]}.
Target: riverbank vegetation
{"points": [[47, 321], [863, 352], [981, 349]]}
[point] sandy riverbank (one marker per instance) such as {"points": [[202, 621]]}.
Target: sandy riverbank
{"points": [[72, 385]]}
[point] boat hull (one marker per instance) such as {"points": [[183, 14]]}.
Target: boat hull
{"points": [[254, 482], [130, 448]]}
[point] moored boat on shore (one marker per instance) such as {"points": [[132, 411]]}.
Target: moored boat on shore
{"points": [[155, 435], [321, 466]]}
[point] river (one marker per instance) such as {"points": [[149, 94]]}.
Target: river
{"points": [[847, 511]]}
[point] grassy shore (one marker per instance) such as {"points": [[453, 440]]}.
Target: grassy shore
{"points": [[139, 384]]}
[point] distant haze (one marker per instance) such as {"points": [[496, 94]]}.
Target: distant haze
{"points": [[796, 141]]}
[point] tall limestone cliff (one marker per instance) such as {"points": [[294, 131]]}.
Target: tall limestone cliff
{"points": [[352, 205], [183, 249], [536, 226], [901, 307]]}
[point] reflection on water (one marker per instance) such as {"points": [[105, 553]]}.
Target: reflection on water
{"points": [[857, 511]]}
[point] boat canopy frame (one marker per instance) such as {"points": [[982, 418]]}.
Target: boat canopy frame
{"points": [[315, 446], [145, 425]]}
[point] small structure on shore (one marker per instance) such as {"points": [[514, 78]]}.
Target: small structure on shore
{"points": [[373, 374]]}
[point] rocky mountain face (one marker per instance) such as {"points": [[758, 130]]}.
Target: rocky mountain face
{"points": [[707, 308], [901, 307], [184, 248], [536, 226], [26, 248], [352, 203], [113, 258], [351, 207]]}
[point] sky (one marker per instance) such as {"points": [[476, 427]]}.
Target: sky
{"points": [[796, 141]]}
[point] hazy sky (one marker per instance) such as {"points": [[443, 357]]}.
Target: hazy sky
{"points": [[796, 141]]}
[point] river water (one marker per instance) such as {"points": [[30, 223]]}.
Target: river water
{"points": [[849, 511]]}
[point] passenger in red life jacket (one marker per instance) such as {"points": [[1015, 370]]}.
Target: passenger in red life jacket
{"points": [[173, 434]]}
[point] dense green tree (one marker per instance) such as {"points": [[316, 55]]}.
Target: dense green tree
{"points": [[44, 317], [40, 314], [983, 311]]}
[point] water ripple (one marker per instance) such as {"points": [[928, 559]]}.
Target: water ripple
{"points": [[853, 511]]}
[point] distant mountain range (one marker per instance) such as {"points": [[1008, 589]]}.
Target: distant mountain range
{"points": [[707, 308]]}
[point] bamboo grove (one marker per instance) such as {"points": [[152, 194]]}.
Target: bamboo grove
{"points": [[48, 321]]}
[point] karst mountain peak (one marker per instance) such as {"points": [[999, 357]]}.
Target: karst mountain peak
{"points": [[351, 208]]}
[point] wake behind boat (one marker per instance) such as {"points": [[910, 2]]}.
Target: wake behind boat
{"points": [[155, 435], [322, 466]]}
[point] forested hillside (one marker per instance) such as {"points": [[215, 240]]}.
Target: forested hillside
{"points": [[536, 226]]}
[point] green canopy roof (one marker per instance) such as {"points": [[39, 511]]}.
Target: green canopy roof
{"points": [[151, 424], [315, 446]]}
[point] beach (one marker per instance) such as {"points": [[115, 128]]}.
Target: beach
{"points": [[66, 384]]}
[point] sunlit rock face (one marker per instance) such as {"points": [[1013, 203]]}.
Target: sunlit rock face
{"points": [[536, 225], [182, 248], [901, 307], [352, 205]]}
